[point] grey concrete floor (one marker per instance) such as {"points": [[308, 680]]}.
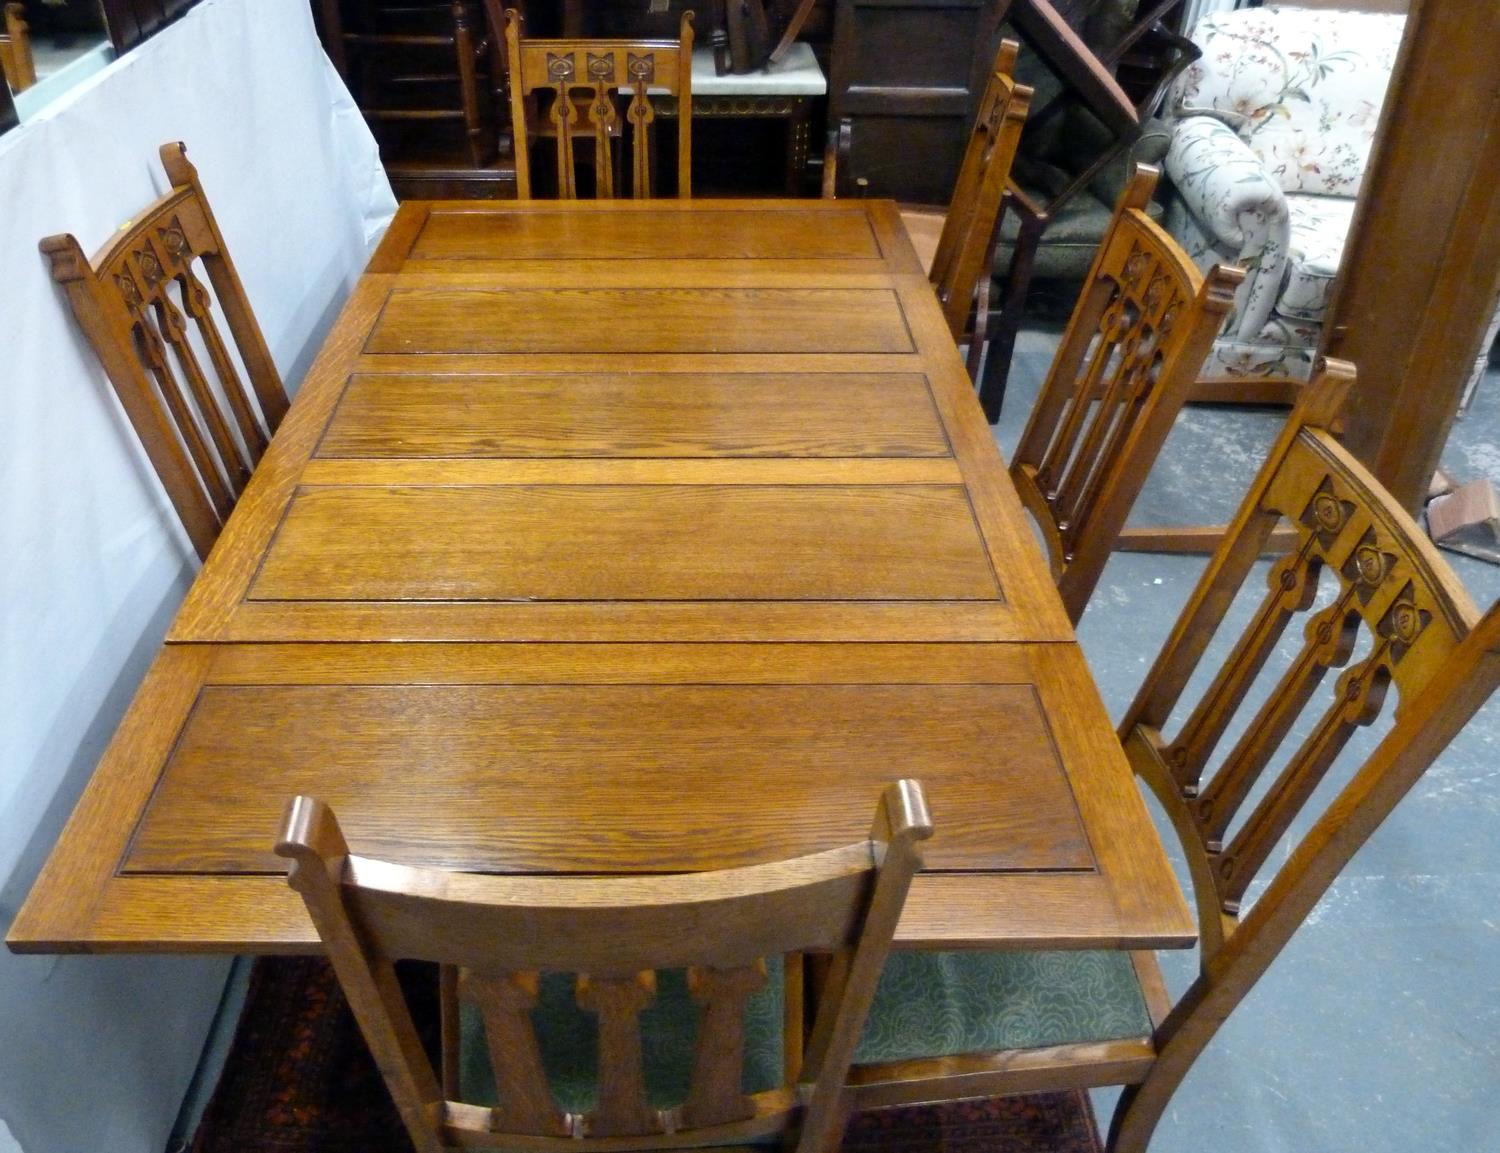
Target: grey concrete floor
{"points": [[1378, 1028]]}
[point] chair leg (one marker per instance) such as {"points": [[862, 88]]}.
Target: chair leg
{"points": [[448, 1020], [1003, 335]]}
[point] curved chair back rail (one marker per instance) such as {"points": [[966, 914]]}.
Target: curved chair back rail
{"points": [[140, 303], [501, 932], [583, 79], [1125, 367]]}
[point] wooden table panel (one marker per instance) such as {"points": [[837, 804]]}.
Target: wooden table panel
{"points": [[1036, 808], [622, 321], [647, 415], [644, 775], [627, 543], [717, 232]]}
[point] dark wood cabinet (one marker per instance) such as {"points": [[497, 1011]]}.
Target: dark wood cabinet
{"points": [[907, 75]]}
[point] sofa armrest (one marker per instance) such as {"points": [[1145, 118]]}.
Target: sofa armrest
{"points": [[1237, 202]]}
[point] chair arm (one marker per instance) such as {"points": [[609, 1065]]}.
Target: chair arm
{"points": [[1238, 203]]}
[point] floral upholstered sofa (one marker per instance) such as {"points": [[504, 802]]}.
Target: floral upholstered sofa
{"points": [[1271, 132]]}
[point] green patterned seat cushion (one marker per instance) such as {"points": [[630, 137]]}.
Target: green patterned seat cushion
{"points": [[569, 1041], [939, 1004], [927, 1005]]}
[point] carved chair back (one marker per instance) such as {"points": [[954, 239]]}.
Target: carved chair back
{"points": [[17, 64], [1395, 621], [966, 246], [502, 932], [1127, 362], [141, 303], [583, 79]]}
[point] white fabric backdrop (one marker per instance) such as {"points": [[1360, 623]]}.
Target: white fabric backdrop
{"points": [[95, 1053]]}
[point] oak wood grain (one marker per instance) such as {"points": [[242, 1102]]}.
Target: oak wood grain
{"points": [[648, 415], [627, 543], [608, 778], [715, 232], [990, 696], [622, 321], [817, 234]]}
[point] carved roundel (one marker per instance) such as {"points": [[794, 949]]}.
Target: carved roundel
{"points": [[641, 67], [175, 240], [1369, 564], [601, 66], [1406, 621], [1135, 268], [128, 290], [1328, 511], [151, 267], [560, 65]]}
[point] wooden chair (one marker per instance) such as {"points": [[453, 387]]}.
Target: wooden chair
{"points": [[16, 62], [1126, 365], [134, 304], [957, 246], [581, 79], [502, 932], [1398, 619]]}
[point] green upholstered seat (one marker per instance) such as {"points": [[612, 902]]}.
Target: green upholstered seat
{"points": [[927, 1005], [939, 1004]]}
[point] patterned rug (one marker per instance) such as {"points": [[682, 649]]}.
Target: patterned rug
{"points": [[300, 1080]]}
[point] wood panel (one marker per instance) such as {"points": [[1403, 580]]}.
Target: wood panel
{"points": [[718, 233], [627, 543], [647, 415], [608, 778], [622, 321], [84, 901]]}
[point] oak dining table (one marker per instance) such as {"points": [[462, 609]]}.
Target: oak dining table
{"points": [[625, 537]]}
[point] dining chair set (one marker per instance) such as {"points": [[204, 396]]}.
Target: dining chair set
{"points": [[1235, 768]]}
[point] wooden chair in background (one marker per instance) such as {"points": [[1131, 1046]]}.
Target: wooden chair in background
{"points": [[1127, 363], [555, 84], [957, 246], [16, 63], [141, 305], [1397, 619], [502, 932]]}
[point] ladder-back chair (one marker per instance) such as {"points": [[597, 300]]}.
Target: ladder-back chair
{"points": [[501, 933], [582, 80], [17, 64], [957, 246], [141, 304], [1396, 624], [1126, 365]]}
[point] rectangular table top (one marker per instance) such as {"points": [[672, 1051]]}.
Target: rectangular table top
{"points": [[645, 480]]}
